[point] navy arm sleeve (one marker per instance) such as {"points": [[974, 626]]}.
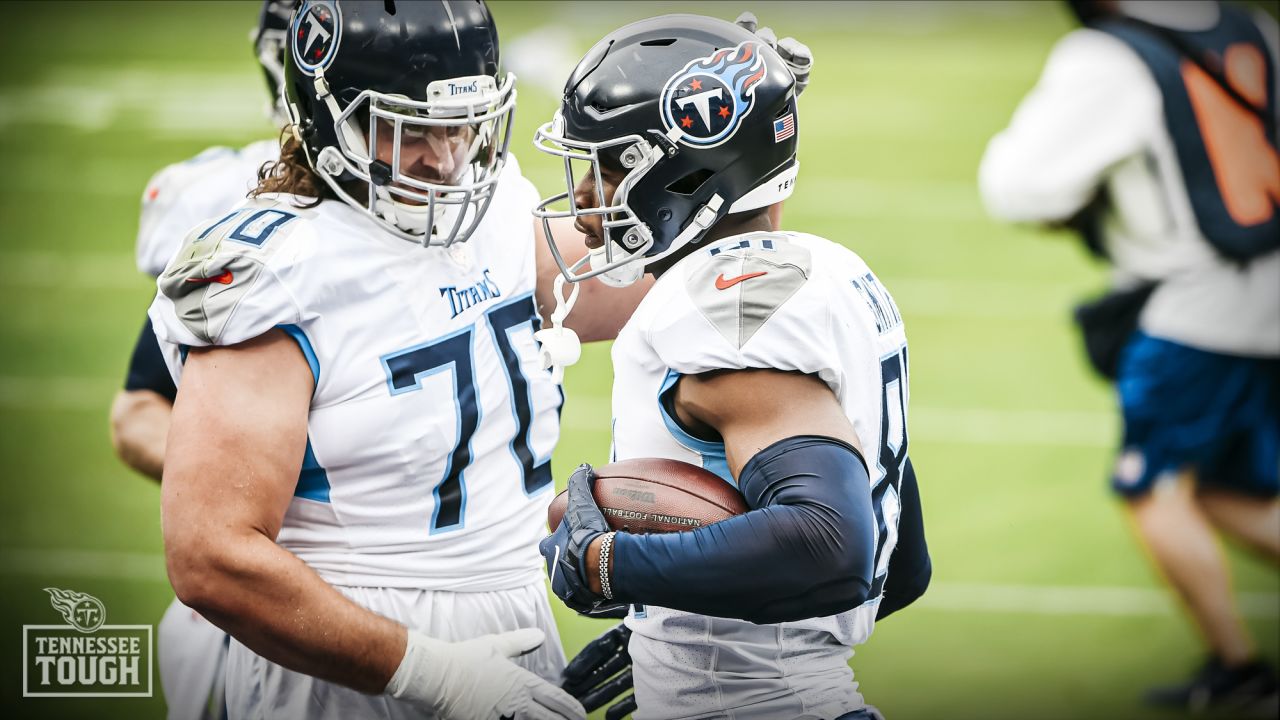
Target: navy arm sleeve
{"points": [[805, 549], [910, 568], [147, 370]]}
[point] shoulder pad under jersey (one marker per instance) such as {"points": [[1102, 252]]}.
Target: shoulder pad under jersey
{"points": [[221, 282], [738, 286]]}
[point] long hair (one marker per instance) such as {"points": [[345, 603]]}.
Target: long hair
{"points": [[292, 174]]}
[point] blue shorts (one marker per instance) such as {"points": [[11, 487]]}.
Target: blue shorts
{"points": [[1183, 407]]}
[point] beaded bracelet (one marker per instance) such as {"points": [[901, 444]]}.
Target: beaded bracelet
{"points": [[606, 545]]}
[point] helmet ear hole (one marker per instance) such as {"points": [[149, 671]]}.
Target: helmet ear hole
{"points": [[690, 183]]}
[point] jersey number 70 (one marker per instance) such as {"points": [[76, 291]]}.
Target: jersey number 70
{"points": [[453, 354]]}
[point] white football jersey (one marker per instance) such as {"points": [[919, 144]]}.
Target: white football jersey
{"points": [[792, 302], [432, 423], [183, 194]]}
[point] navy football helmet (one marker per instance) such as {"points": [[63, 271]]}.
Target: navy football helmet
{"points": [[367, 83], [699, 113], [269, 42]]}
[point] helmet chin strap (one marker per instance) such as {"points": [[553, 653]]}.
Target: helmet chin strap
{"points": [[559, 345], [413, 219], [631, 269], [622, 276]]}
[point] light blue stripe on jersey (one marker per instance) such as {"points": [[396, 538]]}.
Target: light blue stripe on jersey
{"points": [[713, 457], [308, 352], [313, 481]]}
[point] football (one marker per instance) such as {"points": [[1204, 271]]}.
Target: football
{"points": [[657, 495]]}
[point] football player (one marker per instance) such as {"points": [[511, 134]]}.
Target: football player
{"points": [[774, 359], [1152, 130], [358, 471], [192, 650]]}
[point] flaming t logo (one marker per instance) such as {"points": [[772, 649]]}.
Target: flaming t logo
{"points": [[82, 611], [707, 100]]}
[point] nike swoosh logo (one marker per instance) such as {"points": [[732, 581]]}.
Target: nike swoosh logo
{"points": [[723, 284], [223, 279]]}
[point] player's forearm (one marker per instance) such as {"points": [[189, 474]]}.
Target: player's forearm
{"points": [[810, 531], [269, 600], [140, 429], [770, 565]]}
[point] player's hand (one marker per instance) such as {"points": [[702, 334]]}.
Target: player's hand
{"points": [[565, 549], [795, 54], [476, 680], [602, 672]]}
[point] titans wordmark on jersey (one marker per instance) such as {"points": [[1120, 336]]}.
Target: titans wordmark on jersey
{"points": [[764, 300], [432, 423]]}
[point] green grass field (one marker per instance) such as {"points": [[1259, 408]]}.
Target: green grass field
{"points": [[1042, 604]]}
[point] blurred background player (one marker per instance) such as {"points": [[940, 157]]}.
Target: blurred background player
{"points": [[1152, 131], [192, 650], [357, 358], [775, 359], [176, 198]]}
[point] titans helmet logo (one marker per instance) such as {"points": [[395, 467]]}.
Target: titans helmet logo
{"points": [[314, 36], [707, 100]]}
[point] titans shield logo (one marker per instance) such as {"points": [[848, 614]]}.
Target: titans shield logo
{"points": [[314, 36], [707, 100]]}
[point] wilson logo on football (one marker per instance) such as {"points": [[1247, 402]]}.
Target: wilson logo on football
{"points": [[707, 100], [314, 37]]}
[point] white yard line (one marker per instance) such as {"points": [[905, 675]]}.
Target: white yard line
{"points": [[74, 270], [58, 393], [983, 300], [1076, 600], [1036, 428], [71, 565], [910, 201], [151, 101], [76, 564]]}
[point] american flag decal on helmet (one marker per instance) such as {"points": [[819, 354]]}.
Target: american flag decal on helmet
{"points": [[784, 127]]}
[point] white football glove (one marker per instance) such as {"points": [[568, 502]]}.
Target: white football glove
{"points": [[795, 54], [476, 680]]}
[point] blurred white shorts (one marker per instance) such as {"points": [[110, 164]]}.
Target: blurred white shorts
{"points": [[258, 689], [193, 654]]}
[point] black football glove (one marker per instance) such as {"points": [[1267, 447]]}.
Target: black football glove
{"points": [[602, 672], [797, 55], [565, 549]]}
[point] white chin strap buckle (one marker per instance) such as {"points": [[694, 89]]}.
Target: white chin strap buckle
{"points": [[559, 346]]}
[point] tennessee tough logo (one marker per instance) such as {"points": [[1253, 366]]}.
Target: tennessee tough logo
{"points": [[708, 99], [314, 37]]}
